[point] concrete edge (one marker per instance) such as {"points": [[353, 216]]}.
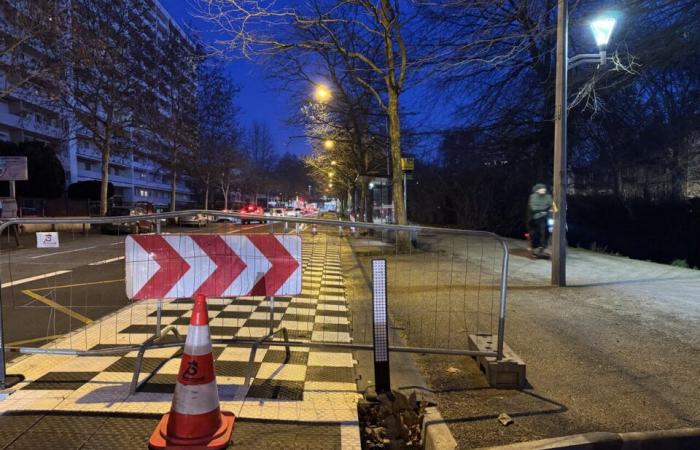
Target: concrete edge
{"points": [[677, 439], [436, 434], [405, 377]]}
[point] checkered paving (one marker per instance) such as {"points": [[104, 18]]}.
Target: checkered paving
{"points": [[314, 385]]}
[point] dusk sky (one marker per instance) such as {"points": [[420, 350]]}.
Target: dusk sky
{"points": [[258, 100]]}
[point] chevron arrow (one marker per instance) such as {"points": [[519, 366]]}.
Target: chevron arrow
{"points": [[171, 266], [228, 265], [283, 264]]}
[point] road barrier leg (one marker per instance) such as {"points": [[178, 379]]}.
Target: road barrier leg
{"points": [[272, 314], [159, 313]]}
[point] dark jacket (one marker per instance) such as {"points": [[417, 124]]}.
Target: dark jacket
{"points": [[539, 204]]}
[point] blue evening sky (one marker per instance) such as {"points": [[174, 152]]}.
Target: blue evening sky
{"points": [[258, 100]]}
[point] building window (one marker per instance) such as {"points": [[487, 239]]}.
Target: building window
{"points": [[143, 193]]}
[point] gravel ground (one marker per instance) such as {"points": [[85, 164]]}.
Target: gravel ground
{"points": [[618, 350]]}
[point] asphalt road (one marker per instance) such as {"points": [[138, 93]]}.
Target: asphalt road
{"points": [[49, 292]]}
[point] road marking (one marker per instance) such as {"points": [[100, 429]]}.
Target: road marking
{"points": [[63, 252], [247, 228], [37, 277], [31, 341], [106, 261], [92, 283], [56, 306]]}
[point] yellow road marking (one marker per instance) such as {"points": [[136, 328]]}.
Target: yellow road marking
{"points": [[56, 306], [92, 283], [30, 341]]}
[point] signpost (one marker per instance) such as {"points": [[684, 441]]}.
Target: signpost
{"points": [[13, 168], [178, 265]]}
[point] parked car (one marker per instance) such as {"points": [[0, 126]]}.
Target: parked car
{"points": [[195, 220], [136, 227], [253, 211], [227, 219]]}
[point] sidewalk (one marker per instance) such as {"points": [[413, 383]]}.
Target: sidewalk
{"points": [[618, 351], [316, 390]]}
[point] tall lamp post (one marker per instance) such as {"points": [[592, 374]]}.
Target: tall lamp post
{"points": [[602, 29]]}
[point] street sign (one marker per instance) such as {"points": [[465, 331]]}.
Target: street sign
{"points": [[13, 168], [408, 164], [179, 265], [48, 239]]}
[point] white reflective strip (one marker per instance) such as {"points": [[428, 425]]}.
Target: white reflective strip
{"points": [[198, 340], [140, 267], [291, 286], [201, 266], [255, 262], [195, 398]]}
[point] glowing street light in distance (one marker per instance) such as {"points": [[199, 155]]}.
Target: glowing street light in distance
{"points": [[322, 93]]}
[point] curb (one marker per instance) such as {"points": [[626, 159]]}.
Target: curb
{"points": [[679, 439], [436, 433]]}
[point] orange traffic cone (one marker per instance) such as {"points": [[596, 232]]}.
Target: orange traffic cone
{"points": [[195, 420]]}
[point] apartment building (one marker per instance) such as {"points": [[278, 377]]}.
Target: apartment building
{"points": [[31, 112]]}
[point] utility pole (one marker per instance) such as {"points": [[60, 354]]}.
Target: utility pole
{"points": [[560, 164]]}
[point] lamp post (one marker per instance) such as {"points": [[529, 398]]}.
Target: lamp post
{"points": [[602, 29]]}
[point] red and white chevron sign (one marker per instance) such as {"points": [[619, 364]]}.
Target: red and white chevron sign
{"points": [[182, 265]]}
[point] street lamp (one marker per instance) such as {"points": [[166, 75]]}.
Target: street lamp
{"points": [[322, 93], [333, 163], [328, 144], [602, 28]]}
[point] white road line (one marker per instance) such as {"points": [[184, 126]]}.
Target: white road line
{"points": [[37, 277], [245, 229], [63, 252], [106, 261]]}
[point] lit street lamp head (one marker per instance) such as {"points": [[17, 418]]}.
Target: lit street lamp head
{"points": [[602, 28], [322, 93], [328, 144]]}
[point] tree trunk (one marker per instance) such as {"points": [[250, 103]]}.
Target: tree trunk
{"points": [[395, 141], [225, 192], [173, 189], [364, 187], [104, 188]]}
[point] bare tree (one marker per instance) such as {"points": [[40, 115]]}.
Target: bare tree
{"points": [[260, 159], [33, 41], [172, 121], [218, 130], [229, 162], [264, 28], [106, 89]]}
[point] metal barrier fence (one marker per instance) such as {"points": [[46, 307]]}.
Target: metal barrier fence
{"points": [[443, 285]]}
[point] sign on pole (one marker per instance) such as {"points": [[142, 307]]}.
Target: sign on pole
{"points": [[47, 239], [408, 164], [13, 168], [180, 265]]}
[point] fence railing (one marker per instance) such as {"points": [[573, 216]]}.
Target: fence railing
{"points": [[443, 285]]}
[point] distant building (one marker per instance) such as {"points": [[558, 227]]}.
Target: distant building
{"points": [[25, 114]]}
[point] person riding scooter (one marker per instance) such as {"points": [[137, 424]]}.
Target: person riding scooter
{"points": [[539, 205]]}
